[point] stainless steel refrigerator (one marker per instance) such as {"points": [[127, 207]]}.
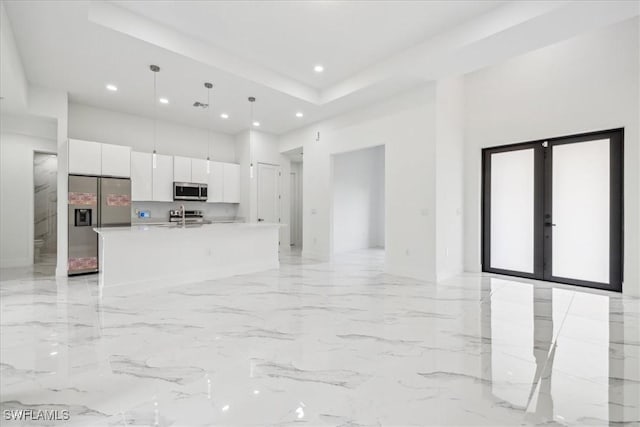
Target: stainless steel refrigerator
{"points": [[94, 202]]}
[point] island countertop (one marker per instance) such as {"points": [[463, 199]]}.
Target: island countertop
{"points": [[174, 254], [162, 227]]}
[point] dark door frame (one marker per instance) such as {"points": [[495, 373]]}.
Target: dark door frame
{"points": [[543, 158]]}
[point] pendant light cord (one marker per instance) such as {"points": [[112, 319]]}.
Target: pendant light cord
{"points": [[155, 111], [209, 125], [252, 100]]}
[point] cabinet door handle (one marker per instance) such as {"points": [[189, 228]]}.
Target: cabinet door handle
{"points": [[260, 219]]}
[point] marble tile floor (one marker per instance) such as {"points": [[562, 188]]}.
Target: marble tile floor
{"points": [[319, 344]]}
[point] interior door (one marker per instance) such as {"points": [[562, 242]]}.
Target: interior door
{"points": [[268, 193], [552, 209]]}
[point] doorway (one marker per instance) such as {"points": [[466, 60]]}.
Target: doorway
{"points": [[553, 210], [358, 200], [45, 215]]}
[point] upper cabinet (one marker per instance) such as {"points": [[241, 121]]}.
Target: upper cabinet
{"points": [[141, 177], [85, 157], [94, 158], [231, 183], [150, 183], [186, 169], [199, 171], [215, 183], [181, 169], [116, 160], [163, 179]]}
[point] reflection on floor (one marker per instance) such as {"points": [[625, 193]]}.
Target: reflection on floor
{"points": [[314, 343]]}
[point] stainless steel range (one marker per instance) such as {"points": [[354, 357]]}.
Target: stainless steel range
{"points": [[190, 216]]}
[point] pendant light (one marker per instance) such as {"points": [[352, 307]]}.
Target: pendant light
{"points": [[252, 100], [155, 69], [208, 86]]}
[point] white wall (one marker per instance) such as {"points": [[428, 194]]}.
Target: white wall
{"points": [[358, 199], [14, 87], [587, 83], [16, 184], [449, 177], [111, 127], [405, 125]]}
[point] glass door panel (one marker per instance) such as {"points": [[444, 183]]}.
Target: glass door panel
{"points": [[512, 210], [580, 211]]}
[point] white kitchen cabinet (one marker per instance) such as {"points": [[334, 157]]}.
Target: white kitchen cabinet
{"points": [[231, 183], [116, 160], [163, 179], [85, 157], [141, 177], [181, 169], [215, 183], [199, 171]]}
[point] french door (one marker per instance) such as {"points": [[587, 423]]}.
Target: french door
{"points": [[553, 209]]}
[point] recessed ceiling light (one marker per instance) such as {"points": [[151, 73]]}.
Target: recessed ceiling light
{"points": [[318, 68], [256, 124], [112, 88], [299, 114], [164, 101], [224, 115]]}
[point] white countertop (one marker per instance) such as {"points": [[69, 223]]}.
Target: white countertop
{"points": [[166, 227]]}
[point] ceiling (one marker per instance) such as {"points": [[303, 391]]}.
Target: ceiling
{"points": [[267, 49], [291, 37]]}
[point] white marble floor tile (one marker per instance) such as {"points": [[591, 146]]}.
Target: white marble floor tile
{"points": [[319, 344]]}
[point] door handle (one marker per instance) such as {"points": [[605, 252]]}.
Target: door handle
{"points": [[260, 219], [549, 224]]}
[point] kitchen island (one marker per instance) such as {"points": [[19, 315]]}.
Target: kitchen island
{"points": [[176, 254]]}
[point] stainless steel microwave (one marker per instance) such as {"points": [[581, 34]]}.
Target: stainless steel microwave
{"points": [[189, 191]]}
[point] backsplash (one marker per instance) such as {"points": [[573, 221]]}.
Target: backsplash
{"points": [[159, 211]]}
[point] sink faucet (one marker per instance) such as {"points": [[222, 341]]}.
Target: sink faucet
{"points": [[182, 213]]}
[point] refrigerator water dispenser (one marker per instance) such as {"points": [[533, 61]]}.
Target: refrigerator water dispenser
{"points": [[83, 218]]}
